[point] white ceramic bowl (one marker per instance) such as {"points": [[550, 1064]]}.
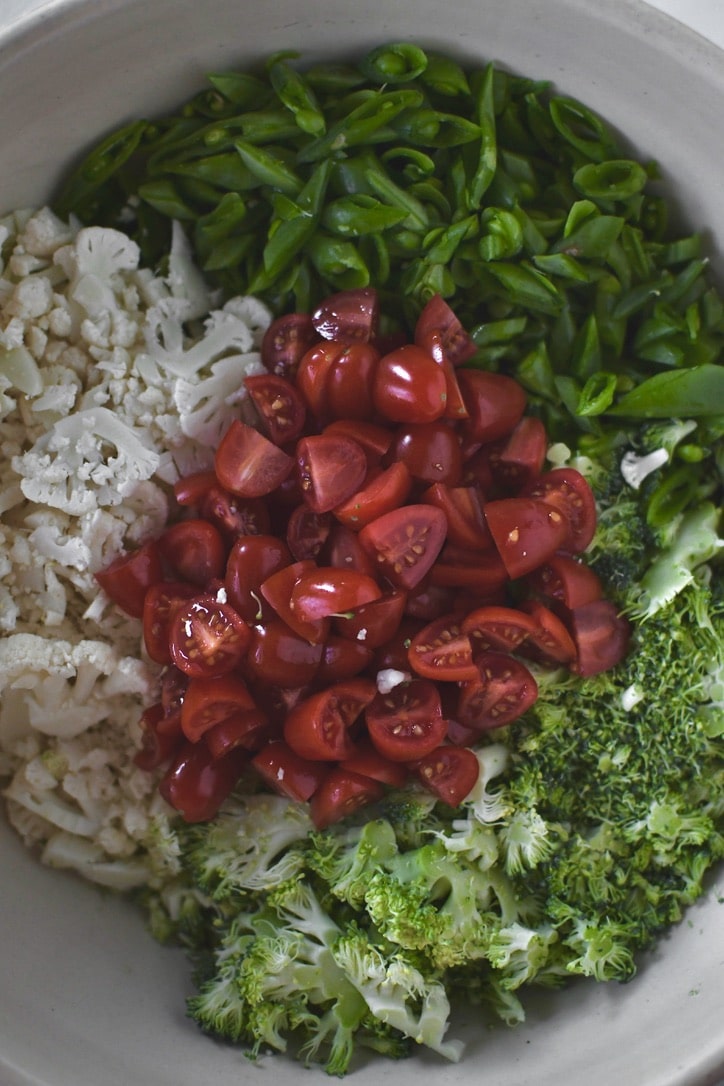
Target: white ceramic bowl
{"points": [[86, 997]]}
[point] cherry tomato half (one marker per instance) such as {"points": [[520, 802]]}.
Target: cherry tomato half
{"points": [[567, 581], [279, 406], [159, 605], [196, 784], [439, 329], [330, 469], [351, 316], [207, 701], [407, 722], [341, 794], [248, 464], [409, 386], [503, 691], [526, 532], [160, 738], [571, 494], [278, 656], [287, 773], [195, 551], [127, 579], [449, 772], [207, 637], [601, 636], [382, 492], [442, 651], [495, 403], [324, 591], [319, 728], [430, 451], [252, 559], [405, 542], [285, 341]]}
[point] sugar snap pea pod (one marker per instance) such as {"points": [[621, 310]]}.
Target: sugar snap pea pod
{"points": [[592, 239], [417, 217], [229, 252], [288, 236], [431, 193], [241, 88], [225, 171], [597, 394], [442, 245], [582, 128], [679, 251], [586, 352], [535, 373], [333, 79], [676, 490], [165, 197], [525, 286], [295, 93], [613, 180], [361, 124], [105, 160], [400, 62], [338, 262], [564, 266], [220, 222], [502, 234], [488, 155], [430, 128], [444, 76], [359, 214], [680, 287], [269, 168], [413, 164], [695, 392]]}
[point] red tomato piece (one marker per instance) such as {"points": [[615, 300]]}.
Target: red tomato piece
{"points": [[374, 623], [495, 404], [280, 657], [160, 737], [374, 439], [195, 551], [246, 730], [196, 784], [160, 602], [248, 464], [330, 469], [207, 637], [285, 341], [501, 629], [503, 691], [191, 489], [207, 701], [173, 689], [521, 459], [383, 492], [350, 316], [324, 591], [393, 653], [345, 551], [430, 451], [566, 580], [571, 494], [319, 728], [286, 773], [405, 542], [601, 636], [279, 406], [307, 532], [526, 532], [550, 642], [127, 579], [450, 773], [349, 382], [341, 794], [277, 590], [233, 515], [342, 659], [442, 651], [439, 331], [252, 560], [313, 376], [481, 572], [463, 509], [407, 722], [409, 386], [368, 762]]}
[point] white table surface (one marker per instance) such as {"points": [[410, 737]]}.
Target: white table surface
{"points": [[706, 17]]}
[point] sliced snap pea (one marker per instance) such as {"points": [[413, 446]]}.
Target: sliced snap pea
{"points": [[693, 392], [295, 93], [400, 62]]}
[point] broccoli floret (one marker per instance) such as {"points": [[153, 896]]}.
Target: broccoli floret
{"points": [[347, 860]]}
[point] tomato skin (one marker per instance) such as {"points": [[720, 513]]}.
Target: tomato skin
{"points": [[286, 773], [208, 701], [521, 459], [409, 386], [248, 464], [481, 572], [342, 659], [159, 604], [405, 543], [285, 341], [449, 772], [349, 382], [374, 623], [566, 580], [368, 762], [344, 550], [195, 551], [196, 783], [495, 404], [279, 405], [406, 723], [340, 794], [246, 730], [374, 439], [280, 657], [233, 515], [127, 579], [277, 590], [350, 316], [330, 470], [438, 329], [252, 559], [207, 638], [601, 636], [442, 651], [463, 509], [161, 737], [319, 728], [380, 494], [190, 490], [325, 591], [314, 373], [503, 691], [430, 451], [526, 532], [571, 494]]}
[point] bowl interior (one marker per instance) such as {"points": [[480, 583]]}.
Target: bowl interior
{"points": [[88, 998]]}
